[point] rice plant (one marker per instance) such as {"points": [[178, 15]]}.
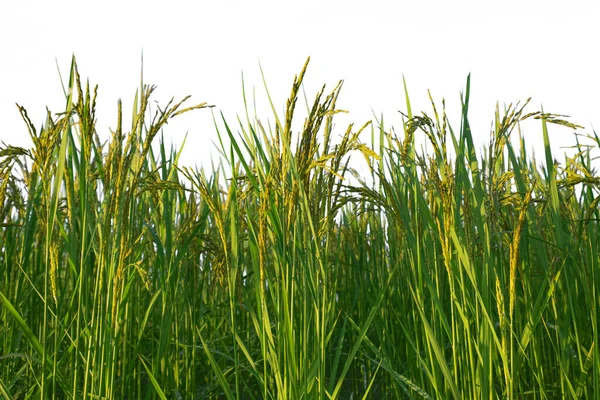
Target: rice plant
{"points": [[283, 273]]}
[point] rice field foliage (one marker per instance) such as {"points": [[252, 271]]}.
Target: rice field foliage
{"points": [[283, 273]]}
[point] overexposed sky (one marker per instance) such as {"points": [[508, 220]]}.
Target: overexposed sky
{"points": [[547, 50]]}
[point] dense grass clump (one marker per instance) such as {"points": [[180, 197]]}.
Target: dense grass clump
{"points": [[280, 275]]}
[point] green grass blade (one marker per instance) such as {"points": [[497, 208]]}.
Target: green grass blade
{"points": [[153, 380]]}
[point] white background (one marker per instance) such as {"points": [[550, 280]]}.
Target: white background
{"points": [[548, 50]]}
